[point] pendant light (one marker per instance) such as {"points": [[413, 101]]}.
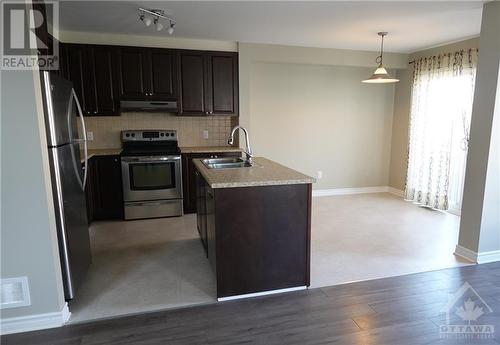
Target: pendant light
{"points": [[380, 76]]}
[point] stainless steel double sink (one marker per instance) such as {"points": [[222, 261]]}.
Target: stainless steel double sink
{"points": [[226, 163]]}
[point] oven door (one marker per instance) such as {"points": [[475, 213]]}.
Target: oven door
{"points": [[151, 178]]}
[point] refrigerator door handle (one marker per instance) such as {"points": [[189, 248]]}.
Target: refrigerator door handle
{"points": [[84, 140]]}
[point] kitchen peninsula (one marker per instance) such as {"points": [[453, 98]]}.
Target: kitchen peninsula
{"points": [[255, 225]]}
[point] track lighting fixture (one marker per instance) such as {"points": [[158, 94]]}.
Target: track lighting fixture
{"points": [[148, 16]]}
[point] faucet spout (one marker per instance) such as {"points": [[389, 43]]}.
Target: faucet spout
{"points": [[248, 152]]}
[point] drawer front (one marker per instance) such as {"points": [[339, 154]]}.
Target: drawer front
{"points": [[153, 209]]}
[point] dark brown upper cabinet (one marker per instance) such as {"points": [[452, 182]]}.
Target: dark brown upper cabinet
{"points": [[104, 80], [163, 74], [208, 83], [202, 82], [92, 71], [193, 84], [223, 83], [146, 73], [78, 69], [132, 73]]}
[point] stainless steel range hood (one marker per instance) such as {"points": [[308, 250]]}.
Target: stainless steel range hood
{"points": [[167, 106]]}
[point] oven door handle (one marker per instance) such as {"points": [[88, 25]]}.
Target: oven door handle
{"points": [[148, 159]]}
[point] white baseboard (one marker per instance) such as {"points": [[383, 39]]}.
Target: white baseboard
{"points": [[359, 190], [486, 257], [480, 258], [465, 253], [35, 322], [264, 293], [395, 191]]}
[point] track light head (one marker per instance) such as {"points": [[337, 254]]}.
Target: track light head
{"points": [[145, 20], [159, 26], [171, 29]]}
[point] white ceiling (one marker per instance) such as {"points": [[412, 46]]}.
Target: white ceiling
{"points": [[343, 25]]}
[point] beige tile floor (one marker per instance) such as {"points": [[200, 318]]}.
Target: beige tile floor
{"points": [[143, 266], [156, 264], [367, 236]]}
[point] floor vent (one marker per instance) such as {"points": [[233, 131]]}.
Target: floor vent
{"points": [[14, 293]]}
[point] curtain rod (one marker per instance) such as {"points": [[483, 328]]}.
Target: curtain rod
{"points": [[461, 50]]}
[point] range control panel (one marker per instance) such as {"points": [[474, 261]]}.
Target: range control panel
{"points": [[149, 135]]}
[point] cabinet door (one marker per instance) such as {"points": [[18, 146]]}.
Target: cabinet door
{"points": [[79, 70], [189, 177], [201, 214], [132, 73], [104, 78], [63, 61], [222, 93], [162, 74], [193, 83], [210, 225], [109, 199], [189, 181]]}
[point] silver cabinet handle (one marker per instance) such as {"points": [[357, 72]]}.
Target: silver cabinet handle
{"points": [[151, 159]]}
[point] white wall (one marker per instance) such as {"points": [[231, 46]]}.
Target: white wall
{"points": [[307, 108], [480, 223], [322, 118], [28, 233], [490, 220], [145, 41]]}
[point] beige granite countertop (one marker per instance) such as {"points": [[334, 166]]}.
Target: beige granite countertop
{"points": [[100, 152], [265, 173], [205, 149]]}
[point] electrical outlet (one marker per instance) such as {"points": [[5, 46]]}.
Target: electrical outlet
{"points": [[90, 136], [320, 174], [205, 134]]}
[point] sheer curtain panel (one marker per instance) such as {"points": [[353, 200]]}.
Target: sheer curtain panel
{"points": [[441, 107]]}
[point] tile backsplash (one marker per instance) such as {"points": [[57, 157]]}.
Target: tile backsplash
{"points": [[106, 130]]}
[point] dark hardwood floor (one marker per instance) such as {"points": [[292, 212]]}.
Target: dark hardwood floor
{"points": [[401, 310]]}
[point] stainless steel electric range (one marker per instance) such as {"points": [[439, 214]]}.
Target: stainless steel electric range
{"points": [[152, 174]]}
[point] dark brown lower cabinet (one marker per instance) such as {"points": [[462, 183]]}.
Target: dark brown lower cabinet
{"points": [[201, 218], [104, 191], [189, 178], [257, 238]]}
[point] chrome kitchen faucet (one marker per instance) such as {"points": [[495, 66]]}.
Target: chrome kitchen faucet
{"points": [[248, 152]]}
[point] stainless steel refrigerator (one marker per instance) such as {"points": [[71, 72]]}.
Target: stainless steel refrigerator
{"points": [[61, 108]]}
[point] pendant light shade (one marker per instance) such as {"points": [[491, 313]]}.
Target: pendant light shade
{"points": [[380, 76]]}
